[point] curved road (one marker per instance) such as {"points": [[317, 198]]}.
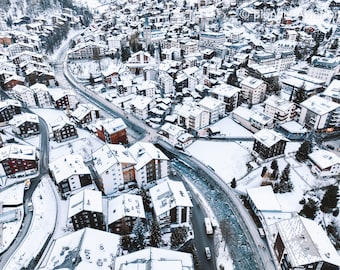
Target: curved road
{"points": [[43, 169]]}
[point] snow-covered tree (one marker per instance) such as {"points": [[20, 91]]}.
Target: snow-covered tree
{"points": [[138, 232], [155, 233]]}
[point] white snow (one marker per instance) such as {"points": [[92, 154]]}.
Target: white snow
{"points": [[42, 225]]}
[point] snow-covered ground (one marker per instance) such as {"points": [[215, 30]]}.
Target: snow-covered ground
{"points": [[83, 145], [43, 222]]}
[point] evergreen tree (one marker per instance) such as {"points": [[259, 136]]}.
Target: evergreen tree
{"points": [[285, 184], [274, 165], [155, 233], [125, 53], [233, 183], [232, 79], [178, 237], [309, 209], [264, 170], [91, 79], [300, 94], [138, 232], [330, 199], [303, 151]]}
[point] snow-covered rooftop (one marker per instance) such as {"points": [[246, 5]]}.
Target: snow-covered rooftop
{"points": [[169, 194], [333, 90], [84, 249], [279, 103], [110, 154], [125, 205], [19, 119], [324, 159], [18, 151], [294, 127], [85, 200], [155, 258], [252, 82], [269, 137], [210, 103], [305, 242], [264, 199], [144, 152], [67, 166], [319, 105]]}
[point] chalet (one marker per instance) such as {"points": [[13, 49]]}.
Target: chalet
{"points": [[85, 209], [141, 105], [268, 143], [41, 95], [171, 204], [85, 114], [112, 130], [92, 248], [24, 125], [9, 108], [18, 160], [138, 61], [324, 163], [70, 174], [151, 163], [123, 213], [63, 130], [14, 80], [35, 75], [155, 258], [296, 244], [114, 166], [27, 56], [25, 95], [63, 98]]}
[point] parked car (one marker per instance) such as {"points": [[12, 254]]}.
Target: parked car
{"points": [[207, 253]]}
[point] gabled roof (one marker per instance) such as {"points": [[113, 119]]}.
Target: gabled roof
{"points": [[125, 205], [306, 242], [19, 119], [210, 103], [68, 165], [90, 246], [60, 122], [18, 151], [111, 125], [319, 105], [269, 137], [252, 82], [58, 93], [264, 199], [109, 155], [144, 152], [324, 159], [169, 194], [83, 109], [9, 102], [85, 200], [155, 258]]}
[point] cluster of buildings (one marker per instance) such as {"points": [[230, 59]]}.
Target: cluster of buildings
{"points": [[185, 68]]}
